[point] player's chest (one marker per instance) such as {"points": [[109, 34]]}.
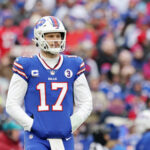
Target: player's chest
{"points": [[44, 75]]}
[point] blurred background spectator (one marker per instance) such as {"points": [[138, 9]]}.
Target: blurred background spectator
{"points": [[113, 38], [10, 136], [142, 122]]}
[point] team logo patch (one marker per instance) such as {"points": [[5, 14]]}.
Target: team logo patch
{"points": [[35, 73], [68, 73]]}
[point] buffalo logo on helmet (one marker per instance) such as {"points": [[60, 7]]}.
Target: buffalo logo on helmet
{"points": [[40, 23]]}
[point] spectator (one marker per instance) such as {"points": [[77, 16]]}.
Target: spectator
{"points": [[9, 34], [138, 57], [9, 137], [142, 123], [106, 138]]}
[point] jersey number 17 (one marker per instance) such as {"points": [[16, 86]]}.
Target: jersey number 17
{"points": [[41, 87]]}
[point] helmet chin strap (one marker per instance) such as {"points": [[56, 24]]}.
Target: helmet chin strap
{"points": [[49, 54], [55, 51]]}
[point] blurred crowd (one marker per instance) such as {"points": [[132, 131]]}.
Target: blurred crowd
{"points": [[113, 38]]}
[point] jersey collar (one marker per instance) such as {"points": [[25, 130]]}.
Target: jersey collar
{"points": [[56, 67]]}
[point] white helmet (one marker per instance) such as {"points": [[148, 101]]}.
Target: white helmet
{"points": [[49, 24]]}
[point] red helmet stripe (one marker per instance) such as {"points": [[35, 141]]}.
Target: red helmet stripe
{"points": [[54, 21]]}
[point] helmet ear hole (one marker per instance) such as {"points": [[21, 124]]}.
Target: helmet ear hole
{"points": [[62, 35], [45, 46], [37, 44]]}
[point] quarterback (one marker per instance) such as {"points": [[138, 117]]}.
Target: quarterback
{"points": [[53, 89]]}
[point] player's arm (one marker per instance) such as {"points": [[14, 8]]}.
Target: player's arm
{"points": [[83, 102], [15, 98]]}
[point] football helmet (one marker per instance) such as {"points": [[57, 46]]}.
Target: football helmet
{"points": [[49, 24]]}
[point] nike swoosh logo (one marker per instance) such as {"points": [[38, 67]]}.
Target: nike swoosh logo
{"points": [[68, 138]]}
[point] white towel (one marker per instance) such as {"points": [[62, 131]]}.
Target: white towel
{"points": [[56, 144]]}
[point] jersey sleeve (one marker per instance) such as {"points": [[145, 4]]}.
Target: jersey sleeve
{"points": [[80, 66], [20, 68]]}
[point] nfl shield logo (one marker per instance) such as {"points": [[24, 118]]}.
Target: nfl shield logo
{"points": [[52, 72]]}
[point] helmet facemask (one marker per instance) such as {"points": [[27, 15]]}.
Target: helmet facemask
{"points": [[54, 46]]}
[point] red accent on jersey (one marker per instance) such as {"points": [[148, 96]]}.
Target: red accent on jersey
{"points": [[20, 72], [48, 65], [82, 70], [18, 65]]}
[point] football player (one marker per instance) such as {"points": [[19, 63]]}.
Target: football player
{"points": [[53, 88]]}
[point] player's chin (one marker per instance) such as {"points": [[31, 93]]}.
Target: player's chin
{"points": [[48, 52]]}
